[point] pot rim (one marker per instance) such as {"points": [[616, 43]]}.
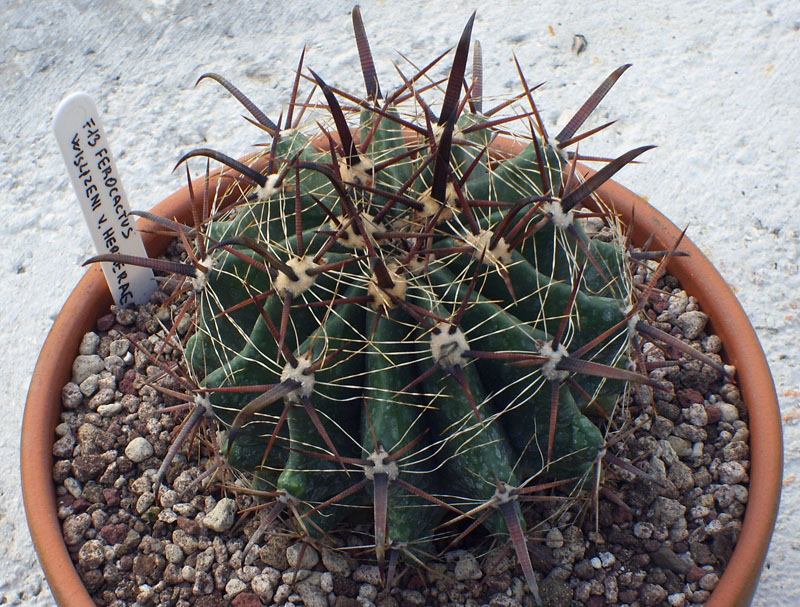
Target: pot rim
{"points": [[698, 277], [91, 298]]}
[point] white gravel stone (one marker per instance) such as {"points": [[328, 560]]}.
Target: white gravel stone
{"points": [[700, 596], [74, 487], [139, 449], [368, 591], [574, 546], [91, 555], [167, 516], [222, 516], [203, 584], [236, 560], [712, 344], [205, 559], [714, 527], [71, 395], [741, 493], [678, 300], [467, 568], [611, 589], [235, 586], [412, 598], [679, 530], [643, 530], [262, 586], [64, 447], [120, 347], [555, 539], [732, 473], [677, 600], [680, 446], [309, 555], [692, 323], [666, 510], [188, 544], [141, 484], [708, 581], [184, 509], [86, 365], [583, 591], [313, 596], [729, 412], [89, 344], [335, 562], [173, 553], [607, 559], [109, 410], [167, 497], [282, 593], [292, 576], [697, 415], [188, 574], [247, 573], [742, 434], [273, 575], [367, 574], [115, 365], [144, 502]]}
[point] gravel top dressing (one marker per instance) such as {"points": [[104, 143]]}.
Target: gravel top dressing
{"points": [[657, 538], [714, 86]]}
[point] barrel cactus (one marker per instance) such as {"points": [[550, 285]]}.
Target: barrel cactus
{"points": [[401, 317]]}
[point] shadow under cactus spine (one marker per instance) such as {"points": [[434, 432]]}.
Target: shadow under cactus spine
{"points": [[432, 335]]}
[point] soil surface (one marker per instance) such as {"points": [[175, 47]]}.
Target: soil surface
{"points": [[657, 529], [713, 85]]}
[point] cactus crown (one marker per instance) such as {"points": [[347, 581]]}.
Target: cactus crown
{"points": [[401, 315]]}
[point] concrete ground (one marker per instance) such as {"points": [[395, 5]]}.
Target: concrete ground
{"points": [[713, 84]]}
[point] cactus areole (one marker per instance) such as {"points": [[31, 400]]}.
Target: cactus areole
{"points": [[434, 338]]}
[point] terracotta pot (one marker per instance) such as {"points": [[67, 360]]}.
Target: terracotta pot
{"points": [[91, 299], [742, 349]]}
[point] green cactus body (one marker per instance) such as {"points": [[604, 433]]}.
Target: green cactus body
{"points": [[524, 400], [454, 286], [337, 393], [395, 422], [475, 452]]}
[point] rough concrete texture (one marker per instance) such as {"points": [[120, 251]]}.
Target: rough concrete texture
{"points": [[713, 84]]}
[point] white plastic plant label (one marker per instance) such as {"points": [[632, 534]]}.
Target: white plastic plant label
{"points": [[102, 199]]}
